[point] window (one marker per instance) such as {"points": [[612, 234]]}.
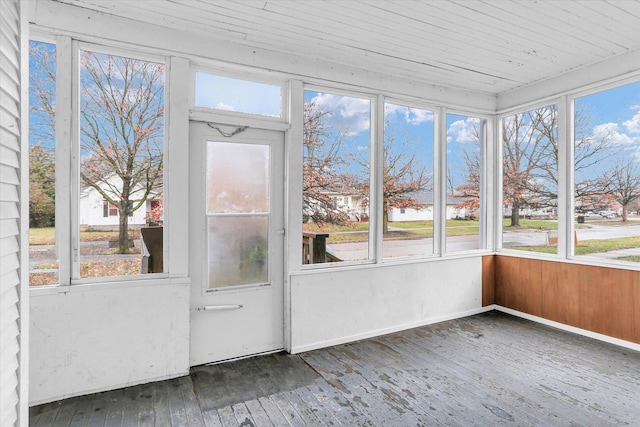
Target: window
{"points": [[607, 174], [336, 167], [238, 210], [241, 96], [109, 209], [120, 156], [530, 180], [407, 182], [465, 148], [44, 265]]}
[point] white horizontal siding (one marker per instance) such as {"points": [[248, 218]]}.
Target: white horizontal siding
{"points": [[10, 285]]}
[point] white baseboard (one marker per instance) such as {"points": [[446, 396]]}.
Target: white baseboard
{"points": [[611, 340], [108, 388], [376, 333]]}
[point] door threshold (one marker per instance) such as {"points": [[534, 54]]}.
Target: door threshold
{"points": [[235, 359]]}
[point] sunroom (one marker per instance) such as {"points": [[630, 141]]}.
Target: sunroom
{"points": [[187, 183]]}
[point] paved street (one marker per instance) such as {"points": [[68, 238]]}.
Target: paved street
{"points": [[391, 248], [422, 247]]}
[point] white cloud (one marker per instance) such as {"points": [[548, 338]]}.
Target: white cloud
{"points": [[611, 132], [223, 106], [413, 116], [633, 125], [349, 114], [463, 131]]}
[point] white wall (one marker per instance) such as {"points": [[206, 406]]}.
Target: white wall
{"points": [[411, 214], [335, 306], [91, 211], [425, 214], [93, 337]]}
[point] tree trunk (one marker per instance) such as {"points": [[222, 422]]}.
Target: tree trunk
{"points": [[123, 228], [515, 215], [624, 213], [385, 221]]}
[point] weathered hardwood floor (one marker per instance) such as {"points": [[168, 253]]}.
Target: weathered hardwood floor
{"points": [[486, 370]]}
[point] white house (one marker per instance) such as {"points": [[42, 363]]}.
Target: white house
{"points": [[453, 211], [96, 211]]}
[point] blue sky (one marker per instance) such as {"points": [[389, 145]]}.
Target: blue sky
{"points": [[411, 128], [34, 120], [225, 93], [613, 113]]}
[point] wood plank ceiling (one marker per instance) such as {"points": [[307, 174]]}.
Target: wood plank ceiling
{"points": [[486, 46]]}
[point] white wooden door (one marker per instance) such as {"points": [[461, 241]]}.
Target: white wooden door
{"points": [[237, 236]]}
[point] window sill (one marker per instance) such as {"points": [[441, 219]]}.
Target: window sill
{"points": [[152, 281]]}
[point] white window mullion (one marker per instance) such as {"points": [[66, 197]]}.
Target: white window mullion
{"points": [[565, 177], [293, 174], [74, 169], [440, 181], [176, 230], [487, 170], [64, 133], [498, 183], [377, 178]]}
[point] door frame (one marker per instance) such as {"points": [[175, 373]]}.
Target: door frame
{"points": [[198, 245]]}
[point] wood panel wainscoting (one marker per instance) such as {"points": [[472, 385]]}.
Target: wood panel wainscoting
{"points": [[598, 299]]}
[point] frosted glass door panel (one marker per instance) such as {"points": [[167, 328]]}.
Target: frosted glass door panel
{"points": [[238, 251], [237, 178]]}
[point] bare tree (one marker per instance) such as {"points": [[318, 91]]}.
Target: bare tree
{"points": [[122, 125], [590, 149], [469, 191], [322, 169], [122, 114], [531, 158], [622, 183], [404, 177], [524, 151], [42, 91], [324, 172], [42, 72]]}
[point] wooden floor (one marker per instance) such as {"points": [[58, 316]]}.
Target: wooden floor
{"points": [[486, 370]]}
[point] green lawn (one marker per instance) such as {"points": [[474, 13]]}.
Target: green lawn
{"points": [[587, 247], [411, 224], [357, 232], [539, 224], [47, 235], [42, 236]]}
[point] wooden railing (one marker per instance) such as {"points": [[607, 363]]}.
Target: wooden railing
{"points": [[314, 247]]}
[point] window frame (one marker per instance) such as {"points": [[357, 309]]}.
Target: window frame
{"points": [[378, 101], [67, 146], [374, 250], [76, 47], [569, 101], [486, 144], [236, 117], [563, 158], [437, 179]]}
